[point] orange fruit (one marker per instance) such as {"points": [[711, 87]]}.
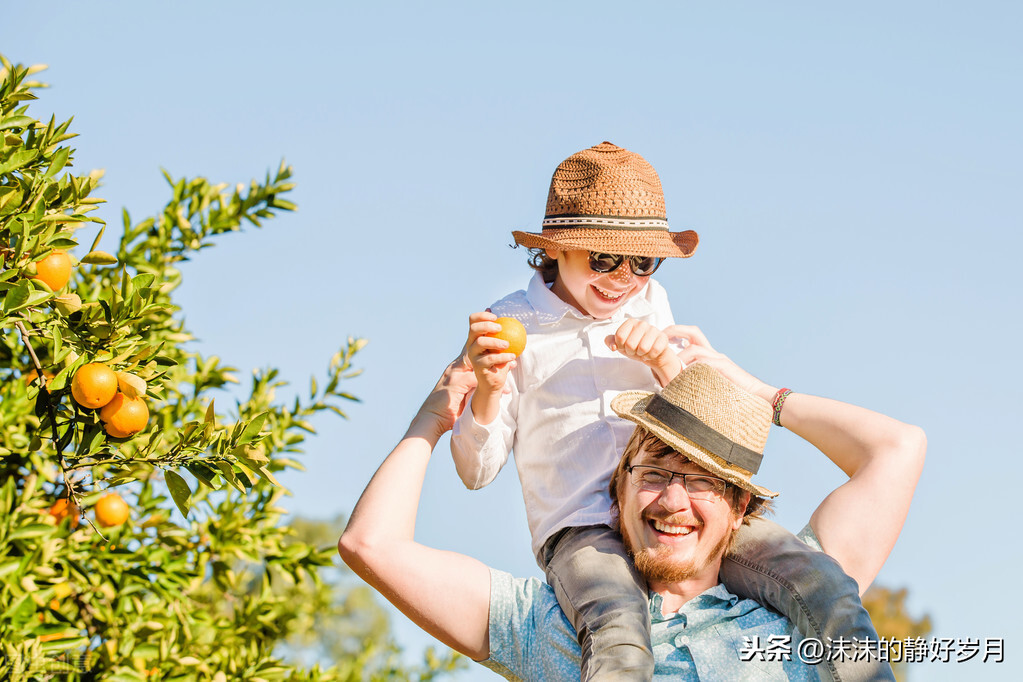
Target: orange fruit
{"points": [[63, 509], [55, 269], [30, 378], [123, 417], [94, 385], [513, 332], [111, 510]]}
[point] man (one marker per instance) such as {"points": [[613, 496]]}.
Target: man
{"points": [[675, 514]]}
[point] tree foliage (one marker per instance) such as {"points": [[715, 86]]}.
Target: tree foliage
{"points": [[891, 618], [204, 580]]}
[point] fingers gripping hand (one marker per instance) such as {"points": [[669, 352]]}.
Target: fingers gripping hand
{"points": [[698, 349], [447, 400], [641, 341], [485, 354]]}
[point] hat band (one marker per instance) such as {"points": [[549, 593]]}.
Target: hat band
{"points": [[687, 424], [606, 222]]}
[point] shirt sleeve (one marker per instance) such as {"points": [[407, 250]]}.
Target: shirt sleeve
{"points": [[810, 538], [530, 638], [480, 451]]}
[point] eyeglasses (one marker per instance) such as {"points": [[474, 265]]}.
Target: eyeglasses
{"points": [[642, 266], [656, 480]]}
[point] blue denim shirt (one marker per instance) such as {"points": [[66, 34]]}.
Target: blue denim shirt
{"points": [[530, 638]]}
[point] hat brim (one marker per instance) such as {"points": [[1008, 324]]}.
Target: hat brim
{"points": [[654, 243], [631, 405]]}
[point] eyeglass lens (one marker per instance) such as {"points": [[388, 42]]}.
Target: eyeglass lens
{"points": [[642, 266], [696, 485]]}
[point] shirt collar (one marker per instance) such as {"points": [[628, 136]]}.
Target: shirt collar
{"points": [[714, 597], [551, 309]]}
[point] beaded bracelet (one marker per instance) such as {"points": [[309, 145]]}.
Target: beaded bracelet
{"points": [[779, 400]]}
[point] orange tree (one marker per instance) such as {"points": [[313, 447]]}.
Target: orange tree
{"points": [[202, 580]]}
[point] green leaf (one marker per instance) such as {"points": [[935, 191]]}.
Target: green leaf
{"points": [[252, 429], [179, 490], [17, 297], [228, 471], [33, 530], [58, 161], [99, 258], [205, 474], [16, 122]]}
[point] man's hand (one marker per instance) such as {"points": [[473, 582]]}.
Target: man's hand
{"points": [[445, 402], [641, 341], [698, 349], [486, 356]]}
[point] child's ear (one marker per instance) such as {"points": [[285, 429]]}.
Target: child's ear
{"points": [[553, 253]]}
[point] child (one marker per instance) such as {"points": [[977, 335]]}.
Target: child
{"points": [[597, 325]]}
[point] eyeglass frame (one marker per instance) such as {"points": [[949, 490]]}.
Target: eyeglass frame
{"points": [[725, 485], [618, 259]]}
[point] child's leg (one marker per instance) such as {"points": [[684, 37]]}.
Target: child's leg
{"points": [[605, 599], [774, 567]]}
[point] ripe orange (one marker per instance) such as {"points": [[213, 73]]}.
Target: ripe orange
{"points": [[111, 510], [63, 509], [31, 376], [55, 269], [513, 332], [94, 385], [123, 417]]}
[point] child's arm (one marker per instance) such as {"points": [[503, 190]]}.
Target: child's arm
{"points": [[489, 363], [481, 448], [641, 341]]}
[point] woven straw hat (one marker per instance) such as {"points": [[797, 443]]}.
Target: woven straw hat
{"points": [[707, 418], [608, 199]]}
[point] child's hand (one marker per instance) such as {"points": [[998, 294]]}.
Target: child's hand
{"points": [[485, 354], [643, 342]]}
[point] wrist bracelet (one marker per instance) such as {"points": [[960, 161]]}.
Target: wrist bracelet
{"points": [[779, 400]]}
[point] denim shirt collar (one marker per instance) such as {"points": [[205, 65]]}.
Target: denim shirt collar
{"points": [[717, 597]]}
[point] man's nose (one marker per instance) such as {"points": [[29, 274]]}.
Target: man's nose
{"points": [[675, 497]]}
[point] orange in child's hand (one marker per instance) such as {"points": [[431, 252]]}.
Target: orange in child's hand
{"points": [[94, 385], [123, 417], [513, 332]]}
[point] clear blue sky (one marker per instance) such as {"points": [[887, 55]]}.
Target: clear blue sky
{"points": [[854, 173]]}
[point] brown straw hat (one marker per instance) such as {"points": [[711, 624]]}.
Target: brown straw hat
{"points": [[707, 418], [608, 199]]}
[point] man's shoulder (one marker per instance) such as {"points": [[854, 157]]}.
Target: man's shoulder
{"points": [[530, 637]]}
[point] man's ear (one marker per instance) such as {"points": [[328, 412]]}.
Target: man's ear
{"points": [[740, 509]]}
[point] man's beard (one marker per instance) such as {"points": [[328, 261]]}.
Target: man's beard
{"points": [[656, 564]]}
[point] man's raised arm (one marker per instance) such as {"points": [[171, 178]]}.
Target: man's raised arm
{"points": [[859, 522], [445, 593]]}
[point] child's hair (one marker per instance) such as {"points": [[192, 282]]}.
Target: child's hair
{"points": [[542, 263]]}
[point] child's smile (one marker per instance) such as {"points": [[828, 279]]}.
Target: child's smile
{"points": [[596, 294]]}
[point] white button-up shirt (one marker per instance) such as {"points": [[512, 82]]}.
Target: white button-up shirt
{"points": [[557, 416]]}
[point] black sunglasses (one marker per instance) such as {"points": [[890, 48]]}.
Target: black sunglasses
{"points": [[642, 266]]}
